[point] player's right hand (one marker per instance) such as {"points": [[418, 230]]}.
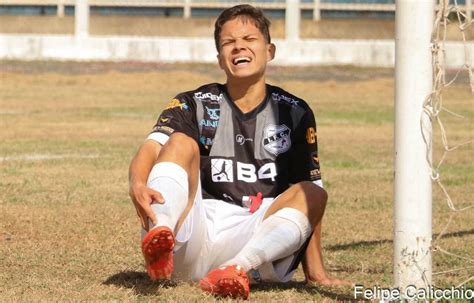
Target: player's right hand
{"points": [[142, 197]]}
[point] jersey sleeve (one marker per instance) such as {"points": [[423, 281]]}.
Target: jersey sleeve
{"points": [[304, 159], [178, 116]]}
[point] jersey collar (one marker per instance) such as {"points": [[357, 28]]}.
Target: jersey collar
{"points": [[251, 114]]}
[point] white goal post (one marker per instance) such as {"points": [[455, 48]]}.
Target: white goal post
{"points": [[412, 185]]}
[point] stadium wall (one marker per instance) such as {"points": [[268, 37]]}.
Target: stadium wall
{"points": [[368, 53]]}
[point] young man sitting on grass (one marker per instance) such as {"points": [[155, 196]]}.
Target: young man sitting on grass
{"points": [[227, 185]]}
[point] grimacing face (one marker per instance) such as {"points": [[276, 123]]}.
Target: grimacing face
{"points": [[244, 51]]}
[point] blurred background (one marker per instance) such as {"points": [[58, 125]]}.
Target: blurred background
{"points": [[306, 19], [79, 95]]}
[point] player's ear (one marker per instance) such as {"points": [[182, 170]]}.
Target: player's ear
{"points": [[220, 60], [271, 49]]}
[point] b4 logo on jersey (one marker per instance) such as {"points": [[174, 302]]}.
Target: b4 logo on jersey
{"points": [[222, 170], [276, 139]]}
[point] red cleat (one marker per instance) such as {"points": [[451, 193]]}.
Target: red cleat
{"points": [[157, 248], [228, 281]]}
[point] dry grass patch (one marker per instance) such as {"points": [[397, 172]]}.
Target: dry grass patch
{"points": [[69, 232]]}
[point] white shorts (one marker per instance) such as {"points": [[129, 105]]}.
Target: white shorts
{"points": [[214, 232]]}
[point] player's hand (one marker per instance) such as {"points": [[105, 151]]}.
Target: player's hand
{"points": [[142, 197], [329, 281]]}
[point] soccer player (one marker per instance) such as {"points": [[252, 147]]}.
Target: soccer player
{"points": [[227, 185]]}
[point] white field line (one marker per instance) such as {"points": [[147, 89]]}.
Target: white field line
{"points": [[40, 157], [131, 115], [11, 112]]}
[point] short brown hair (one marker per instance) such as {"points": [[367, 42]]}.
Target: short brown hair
{"points": [[246, 11]]}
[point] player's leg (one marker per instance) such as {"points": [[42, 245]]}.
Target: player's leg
{"points": [[175, 176], [177, 167], [287, 224], [307, 197]]}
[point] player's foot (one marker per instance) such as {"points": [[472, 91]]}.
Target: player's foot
{"points": [[228, 281], [157, 248]]}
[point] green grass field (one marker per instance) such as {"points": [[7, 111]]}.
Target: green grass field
{"points": [[68, 231]]}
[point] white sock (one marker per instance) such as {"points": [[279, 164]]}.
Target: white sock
{"points": [[171, 180], [279, 236]]}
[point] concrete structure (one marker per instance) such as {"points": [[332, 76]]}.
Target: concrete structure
{"points": [[292, 20], [373, 53], [316, 6]]}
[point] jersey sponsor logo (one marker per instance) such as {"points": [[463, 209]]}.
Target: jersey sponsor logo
{"points": [[205, 141], [176, 103], [311, 135], [209, 123], [285, 99], [222, 170], [209, 97], [213, 113], [315, 174], [315, 159], [276, 139], [213, 120], [165, 119], [164, 129], [241, 139]]}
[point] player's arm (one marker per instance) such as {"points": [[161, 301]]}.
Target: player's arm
{"points": [[308, 161], [178, 116], [313, 265], [140, 167]]}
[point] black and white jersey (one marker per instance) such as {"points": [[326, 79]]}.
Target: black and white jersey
{"points": [[264, 150]]}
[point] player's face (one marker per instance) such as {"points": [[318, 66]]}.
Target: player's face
{"points": [[244, 52]]}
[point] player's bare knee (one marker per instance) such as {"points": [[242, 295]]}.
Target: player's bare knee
{"points": [[314, 197], [312, 192]]}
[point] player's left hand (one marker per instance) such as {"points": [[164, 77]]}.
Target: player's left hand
{"points": [[329, 281]]}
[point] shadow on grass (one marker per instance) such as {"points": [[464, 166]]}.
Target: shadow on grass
{"points": [[337, 294], [139, 282], [362, 244], [142, 285]]}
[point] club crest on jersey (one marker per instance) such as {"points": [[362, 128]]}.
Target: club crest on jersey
{"points": [[276, 139]]}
